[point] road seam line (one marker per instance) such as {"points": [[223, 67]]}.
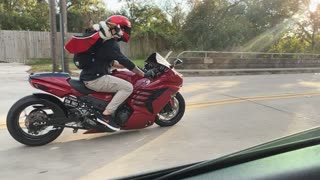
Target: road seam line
{"points": [[235, 100], [246, 99]]}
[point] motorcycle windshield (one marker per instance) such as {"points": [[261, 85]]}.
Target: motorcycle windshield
{"points": [[161, 60], [157, 58]]}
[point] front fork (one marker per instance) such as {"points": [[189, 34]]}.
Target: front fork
{"points": [[168, 107]]}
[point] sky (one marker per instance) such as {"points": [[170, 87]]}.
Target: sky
{"points": [[313, 5], [115, 5]]}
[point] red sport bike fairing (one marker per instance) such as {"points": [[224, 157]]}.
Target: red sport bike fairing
{"points": [[40, 118]]}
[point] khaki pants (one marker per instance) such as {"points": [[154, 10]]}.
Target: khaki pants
{"points": [[111, 84]]}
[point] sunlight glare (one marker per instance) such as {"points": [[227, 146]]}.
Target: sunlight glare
{"points": [[267, 38], [313, 5]]}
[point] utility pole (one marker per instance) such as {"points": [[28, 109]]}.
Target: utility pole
{"points": [[63, 30], [53, 32]]}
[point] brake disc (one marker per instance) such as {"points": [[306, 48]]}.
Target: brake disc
{"points": [[168, 115], [36, 121]]}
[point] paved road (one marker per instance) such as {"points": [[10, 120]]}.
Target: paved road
{"points": [[13, 85], [224, 115]]}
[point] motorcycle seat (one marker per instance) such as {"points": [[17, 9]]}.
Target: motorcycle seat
{"points": [[79, 86]]}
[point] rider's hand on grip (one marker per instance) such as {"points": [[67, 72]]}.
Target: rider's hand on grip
{"points": [[142, 69]]}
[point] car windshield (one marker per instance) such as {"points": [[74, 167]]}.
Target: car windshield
{"points": [[250, 74]]}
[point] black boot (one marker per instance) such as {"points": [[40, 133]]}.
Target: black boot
{"points": [[108, 121]]}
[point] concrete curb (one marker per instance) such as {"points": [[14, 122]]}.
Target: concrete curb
{"points": [[234, 72]]}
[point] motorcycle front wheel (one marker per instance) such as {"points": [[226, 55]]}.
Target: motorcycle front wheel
{"points": [[172, 115], [25, 121]]}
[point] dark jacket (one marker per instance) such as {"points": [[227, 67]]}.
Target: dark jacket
{"points": [[103, 60]]}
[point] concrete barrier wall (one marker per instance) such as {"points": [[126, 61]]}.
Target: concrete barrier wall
{"points": [[240, 63]]}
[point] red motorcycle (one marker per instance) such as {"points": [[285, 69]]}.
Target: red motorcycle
{"points": [[40, 118]]}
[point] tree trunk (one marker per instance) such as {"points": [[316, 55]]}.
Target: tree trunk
{"points": [[63, 7], [53, 31]]}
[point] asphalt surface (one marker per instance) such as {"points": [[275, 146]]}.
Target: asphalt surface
{"points": [[13, 85], [248, 71], [224, 115]]}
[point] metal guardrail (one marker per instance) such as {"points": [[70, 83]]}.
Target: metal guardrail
{"points": [[254, 54]]}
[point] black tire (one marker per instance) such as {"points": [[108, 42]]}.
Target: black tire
{"points": [[18, 134], [174, 120]]}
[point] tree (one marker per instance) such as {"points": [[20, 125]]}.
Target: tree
{"points": [[34, 14], [64, 29], [151, 27], [225, 24], [215, 24], [238, 25], [24, 15], [83, 13], [53, 36], [266, 14], [290, 44], [308, 25]]}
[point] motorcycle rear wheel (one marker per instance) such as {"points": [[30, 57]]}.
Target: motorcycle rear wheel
{"points": [[21, 131], [170, 118]]}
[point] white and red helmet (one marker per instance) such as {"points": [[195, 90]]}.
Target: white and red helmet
{"points": [[122, 26]]}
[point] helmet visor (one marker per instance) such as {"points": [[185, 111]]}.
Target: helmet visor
{"points": [[126, 29], [126, 33]]}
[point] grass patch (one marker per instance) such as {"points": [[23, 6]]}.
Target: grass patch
{"points": [[45, 65], [139, 62]]}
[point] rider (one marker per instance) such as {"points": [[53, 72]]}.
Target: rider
{"points": [[98, 76]]}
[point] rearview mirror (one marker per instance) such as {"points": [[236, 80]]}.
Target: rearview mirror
{"points": [[176, 62]]}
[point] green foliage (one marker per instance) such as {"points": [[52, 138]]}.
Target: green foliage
{"points": [[265, 14], [215, 25], [34, 14], [76, 21], [224, 24], [24, 15], [238, 25], [83, 13], [290, 45], [147, 19], [45, 65], [151, 28]]}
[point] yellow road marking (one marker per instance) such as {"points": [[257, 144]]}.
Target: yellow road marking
{"points": [[244, 99], [98, 174], [118, 166], [237, 100]]}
